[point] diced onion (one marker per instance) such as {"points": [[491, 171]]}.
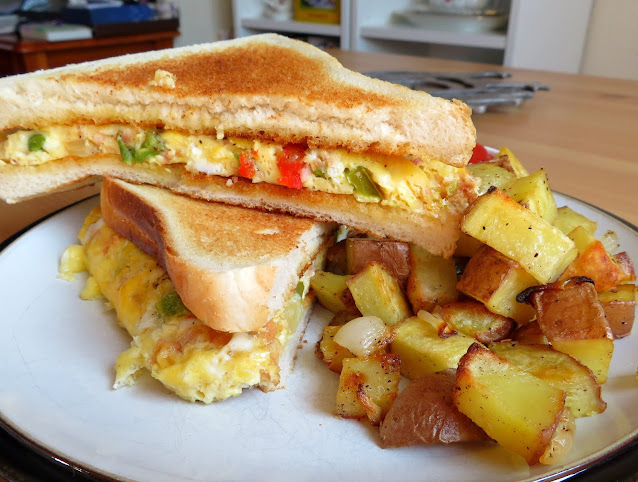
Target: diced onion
{"points": [[562, 439], [433, 319], [79, 148], [610, 242], [363, 336]]}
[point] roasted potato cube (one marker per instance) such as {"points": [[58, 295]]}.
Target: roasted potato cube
{"points": [[619, 305], [500, 222], [593, 261], [518, 410], [473, 319], [490, 174], [343, 317], [432, 280], [533, 192], [424, 413], [495, 280], [582, 239], [368, 386], [392, 255], [567, 219], [568, 310], [467, 246], [594, 353], [506, 158], [348, 302], [330, 352], [423, 351], [560, 371], [377, 293], [530, 334], [328, 288]]}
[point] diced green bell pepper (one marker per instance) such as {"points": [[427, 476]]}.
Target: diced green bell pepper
{"points": [[36, 142], [171, 305], [359, 179], [152, 146]]}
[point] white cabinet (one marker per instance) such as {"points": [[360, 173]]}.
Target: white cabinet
{"points": [[547, 35], [376, 26], [540, 34]]}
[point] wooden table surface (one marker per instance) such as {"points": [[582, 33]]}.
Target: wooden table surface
{"points": [[584, 132]]}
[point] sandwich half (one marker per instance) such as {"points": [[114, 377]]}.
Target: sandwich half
{"points": [[214, 296], [262, 122]]}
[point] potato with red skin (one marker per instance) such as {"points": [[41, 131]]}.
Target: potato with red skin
{"points": [[393, 255], [424, 413], [336, 258], [494, 279], [573, 320], [568, 310], [619, 305]]}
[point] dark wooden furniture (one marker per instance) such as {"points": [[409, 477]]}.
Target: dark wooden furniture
{"points": [[19, 56]]}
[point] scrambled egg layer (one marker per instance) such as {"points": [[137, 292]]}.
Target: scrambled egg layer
{"points": [[187, 356], [394, 181]]}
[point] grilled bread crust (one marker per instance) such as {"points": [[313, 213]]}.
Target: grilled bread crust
{"points": [[436, 234], [265, 86], [234, 268]]}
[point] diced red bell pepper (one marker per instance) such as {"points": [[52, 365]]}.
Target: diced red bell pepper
{"points": [[480, 154], [290, 163], [247, 164]]}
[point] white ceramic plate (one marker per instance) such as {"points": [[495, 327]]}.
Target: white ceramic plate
{"points": [[56, 372]]}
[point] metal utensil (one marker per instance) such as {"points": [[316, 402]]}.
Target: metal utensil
{"points": [[480, 90]]}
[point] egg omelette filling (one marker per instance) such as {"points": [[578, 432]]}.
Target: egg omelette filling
{"points": [[193, 360], [395, 181]]}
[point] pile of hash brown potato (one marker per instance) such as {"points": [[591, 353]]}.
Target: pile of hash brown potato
{"points": [[508, 341]]}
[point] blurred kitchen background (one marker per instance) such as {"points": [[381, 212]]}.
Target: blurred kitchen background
{"points": [[595, 37]]}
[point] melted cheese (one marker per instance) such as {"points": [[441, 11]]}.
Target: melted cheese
{"points": [[188, 357], [403, 183]]}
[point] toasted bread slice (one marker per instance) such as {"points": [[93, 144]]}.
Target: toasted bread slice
{"points": [[437, 234], [233, 268], [185, 354], [265, 122], [265, 86]]}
